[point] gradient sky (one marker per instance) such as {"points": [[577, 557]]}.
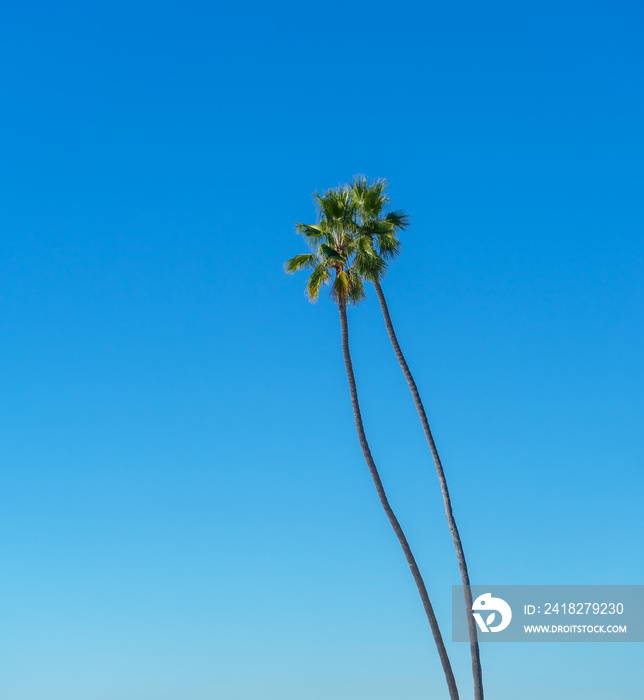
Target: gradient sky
{"points": [[184, 508]]}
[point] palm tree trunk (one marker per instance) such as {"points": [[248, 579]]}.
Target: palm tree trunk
{"points": [[465, 578], [433, 623]]}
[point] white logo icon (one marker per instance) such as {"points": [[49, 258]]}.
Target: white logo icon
{"points": [[486, 603]]}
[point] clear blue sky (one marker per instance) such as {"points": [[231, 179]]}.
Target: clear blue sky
{"points": [[184, 508]]}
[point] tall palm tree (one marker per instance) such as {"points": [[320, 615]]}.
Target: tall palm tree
{"points": [[335, 249], [370, 200]]}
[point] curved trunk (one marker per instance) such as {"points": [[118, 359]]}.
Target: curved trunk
{"points": [[465, 578], [433, 623]]}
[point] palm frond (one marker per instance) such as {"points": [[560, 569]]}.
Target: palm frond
{"points": [[376, 199], [359, 186], [335, 205], [376, 227], [318, 279], [370, 196], [368, 262], [305, 261], [340, 286], [389, 247], [310, 231], [355, 291], [398, 219], [331, 254]]}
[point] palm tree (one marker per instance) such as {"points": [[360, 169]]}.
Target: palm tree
{"points": [[370, 200], [335, 248]]}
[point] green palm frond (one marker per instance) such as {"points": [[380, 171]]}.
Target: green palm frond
{"points": [[370, 196], [332, 255], [398, 219], [348, 287], [376, 198], [355, 291], [371, 267], [306, 261], [359, 186], [389, 247], [368, 262], [313, 233], [340, 287], [334, 205], [318, 279], [364, 245], [376, 227]]}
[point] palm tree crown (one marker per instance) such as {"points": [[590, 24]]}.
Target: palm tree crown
{"points": [[336, 248], [380, 229]]}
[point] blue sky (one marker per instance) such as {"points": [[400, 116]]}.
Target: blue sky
{"points": [[184, 506]]}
